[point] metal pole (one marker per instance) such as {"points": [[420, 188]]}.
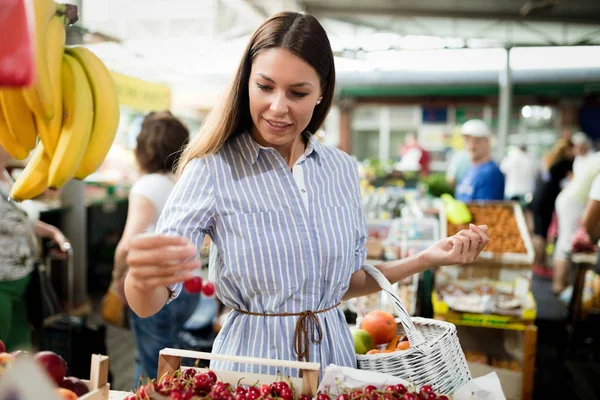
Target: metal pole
{"points": [[74, 220], [504, 107]]}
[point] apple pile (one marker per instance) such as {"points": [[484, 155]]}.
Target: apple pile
{"points": [[391, 392], [196, 285], [55, 366], [192, 384]]}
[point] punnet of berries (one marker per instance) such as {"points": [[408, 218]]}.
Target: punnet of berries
{"points": [[390, 392], [196, 384]]}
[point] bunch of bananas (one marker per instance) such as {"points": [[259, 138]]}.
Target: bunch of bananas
{"points": [[72, 107]]}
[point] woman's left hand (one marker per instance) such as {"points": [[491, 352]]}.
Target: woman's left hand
{"points": [[462, 248]]}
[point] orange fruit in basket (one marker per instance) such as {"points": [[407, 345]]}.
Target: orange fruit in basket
{"points": [[374, 351], [403, 346], [381, 326], [66, 394]]}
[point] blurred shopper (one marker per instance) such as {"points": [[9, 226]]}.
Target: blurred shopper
{"points": [[570, 205], [413, 157], [558, 164], [521, 171], [159, 144], [19, 251], [591, 215], [483, 181], [458, 166], [583, 149]]}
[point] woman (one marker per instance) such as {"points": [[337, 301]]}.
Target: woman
{"points": [[591, 215], [570, 205], [283, 211], [19, 250], [558, 165], [159, 144]]}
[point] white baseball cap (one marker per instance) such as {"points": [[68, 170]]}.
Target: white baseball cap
{"points": [[475, 128]]}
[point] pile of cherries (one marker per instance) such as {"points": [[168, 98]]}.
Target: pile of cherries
{"points": [[392, 392], [192, 384]]}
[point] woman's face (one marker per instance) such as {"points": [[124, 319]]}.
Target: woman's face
{"points": [[283, 91]]}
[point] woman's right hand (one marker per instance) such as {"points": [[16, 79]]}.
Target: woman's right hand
{"points": [[157, 260]]}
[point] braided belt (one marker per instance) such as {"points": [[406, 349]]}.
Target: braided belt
{"points": [[307, 327]]}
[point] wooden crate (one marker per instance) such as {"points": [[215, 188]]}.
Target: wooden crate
{"points": [[98, 383], [524, 257], [170, 360]]}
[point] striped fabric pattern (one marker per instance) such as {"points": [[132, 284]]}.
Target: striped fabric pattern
{"points": [[270, 254]]}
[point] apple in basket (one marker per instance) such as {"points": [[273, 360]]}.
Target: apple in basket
{"points": [[380, 325]]}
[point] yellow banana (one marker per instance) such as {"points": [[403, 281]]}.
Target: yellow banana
{"points": [[9, 142], [77, 123], [19, 118], [39, 95], [49, 130], [33, 181], [106, 110]]}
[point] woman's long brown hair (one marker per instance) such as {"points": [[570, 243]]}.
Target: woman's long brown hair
{"points": [[298, 33]]}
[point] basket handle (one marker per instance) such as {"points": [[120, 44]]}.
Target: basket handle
{"points": [[414, 336]]}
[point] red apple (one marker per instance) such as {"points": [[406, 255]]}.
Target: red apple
{"points": [[193, 285], [79, 387], [208, 289], [54, 365]]}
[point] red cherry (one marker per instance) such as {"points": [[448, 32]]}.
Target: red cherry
{"points": [[409, 396], [189, 373], [130, 397], [304, 397], [429, 396], [281, 384], [176, 396], [252, 395], [240, 390], [355, 394], [370, 389], [202, 382], [400, 388], [212, 376], [286, 394], [443, 397], [265, 390], [208, 289], [343, 397], [426, 389], [240, 396], [323, 396], [193, 285]]}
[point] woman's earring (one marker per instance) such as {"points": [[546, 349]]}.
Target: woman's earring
{"points": [[318, 101]]}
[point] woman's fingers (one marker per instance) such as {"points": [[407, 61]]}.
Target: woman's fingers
{"points": [[473, 238], [160, 255], [481, 230], [149, 242], [151, 271]]}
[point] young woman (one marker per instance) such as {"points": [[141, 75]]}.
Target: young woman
{"points": [[283, 211]]}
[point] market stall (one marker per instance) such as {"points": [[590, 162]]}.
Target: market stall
{"points": [[490, 300]]}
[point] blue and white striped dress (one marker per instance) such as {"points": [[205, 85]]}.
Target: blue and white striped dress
{"points": [[270, 254]]}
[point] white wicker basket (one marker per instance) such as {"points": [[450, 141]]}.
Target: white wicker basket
{"points": [[435, 357]]}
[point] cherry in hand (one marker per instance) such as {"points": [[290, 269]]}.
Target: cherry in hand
{"points": [[193, 285]]}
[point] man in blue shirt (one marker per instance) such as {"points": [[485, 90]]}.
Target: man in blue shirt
{"points": [[484, 180]]}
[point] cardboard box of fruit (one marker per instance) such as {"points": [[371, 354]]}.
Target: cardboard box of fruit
{"points": [[511, 242], [18, 368]]}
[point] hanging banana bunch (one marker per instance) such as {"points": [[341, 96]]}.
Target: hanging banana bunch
{"points": [[68, 117]]}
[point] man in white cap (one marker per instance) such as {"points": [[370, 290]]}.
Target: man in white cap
{"points": [[484, 180]]}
